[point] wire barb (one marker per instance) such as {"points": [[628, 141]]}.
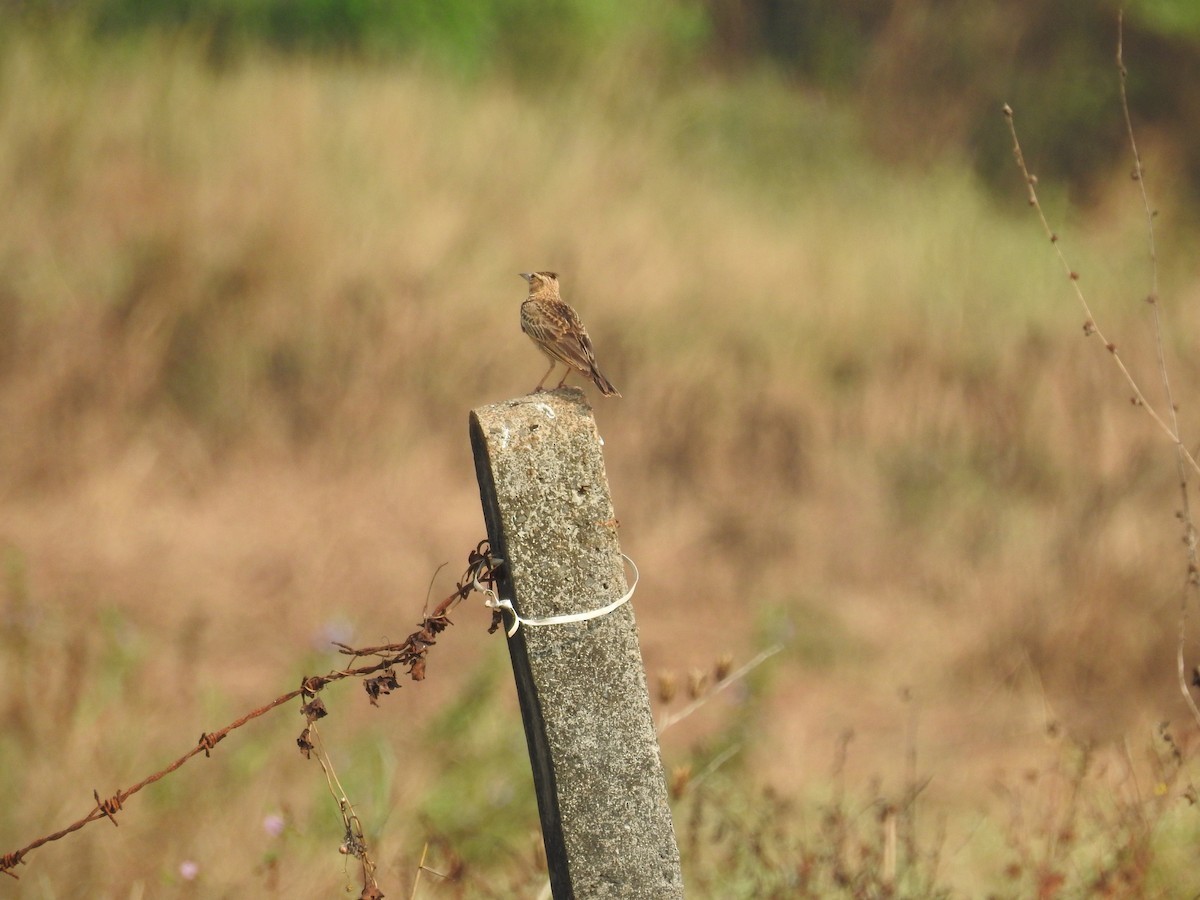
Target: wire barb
{"points": [[10, 861], [209, 741], [109, 807]]}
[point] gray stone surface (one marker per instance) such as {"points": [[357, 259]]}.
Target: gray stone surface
{"points": [[582, 686]]}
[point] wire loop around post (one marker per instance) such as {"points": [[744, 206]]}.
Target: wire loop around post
{"points": [[494, 601]]}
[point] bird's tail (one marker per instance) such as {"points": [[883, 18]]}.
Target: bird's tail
{"points": [[606, 386]]}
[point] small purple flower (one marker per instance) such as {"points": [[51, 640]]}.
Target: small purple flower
{"points": [[273, 824], [189, 869]]}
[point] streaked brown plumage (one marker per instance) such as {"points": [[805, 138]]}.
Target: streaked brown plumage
{"points": [[558, 333]]}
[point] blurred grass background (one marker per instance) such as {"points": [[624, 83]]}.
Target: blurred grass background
{"points": [[258, 261]]}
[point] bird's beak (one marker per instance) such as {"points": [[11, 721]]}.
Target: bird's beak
{"points": [[528, 276]]}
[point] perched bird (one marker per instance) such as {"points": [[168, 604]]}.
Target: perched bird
{"points": [[558, 333]]}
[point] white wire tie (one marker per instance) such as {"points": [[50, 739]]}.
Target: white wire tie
{"points": [[495, 602]]}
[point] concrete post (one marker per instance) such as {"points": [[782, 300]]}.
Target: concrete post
{"points": [[601, 792]]}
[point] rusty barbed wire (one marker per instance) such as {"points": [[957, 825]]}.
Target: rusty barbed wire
{"points": [[410, 654]]}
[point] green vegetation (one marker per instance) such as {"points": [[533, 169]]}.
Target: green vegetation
{"points": [[247, 298], [926, 78], [535, 38]]}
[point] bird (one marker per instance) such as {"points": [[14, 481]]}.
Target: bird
{"points": [[556, 330]]}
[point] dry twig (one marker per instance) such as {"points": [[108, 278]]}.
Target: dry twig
{"points": [[1169, 424], [1185, 510], [1090, 326], [703, 697]]}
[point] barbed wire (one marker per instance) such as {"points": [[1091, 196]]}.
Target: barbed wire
{"points": [[410, 654]]}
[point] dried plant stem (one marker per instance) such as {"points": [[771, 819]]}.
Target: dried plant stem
{"points": [[420, 869], [354, 842], [1189, 532], [733, 677], [1170, 425], [719, 760], [1185, 511], [1090, 326]]}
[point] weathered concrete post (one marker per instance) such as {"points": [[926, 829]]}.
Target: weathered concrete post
{"points": [[582, 687]]}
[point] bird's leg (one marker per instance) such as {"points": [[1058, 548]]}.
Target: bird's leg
{"points": [[553, 363], [566, 374]]}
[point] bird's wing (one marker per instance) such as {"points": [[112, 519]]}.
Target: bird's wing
{"points": [[565, 338]]}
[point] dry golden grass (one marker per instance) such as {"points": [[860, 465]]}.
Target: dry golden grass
{"points": [[244, 315]]}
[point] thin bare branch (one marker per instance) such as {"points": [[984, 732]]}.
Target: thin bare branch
{"points": [[1185, 513], [1091, 327], [737, 675]]}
